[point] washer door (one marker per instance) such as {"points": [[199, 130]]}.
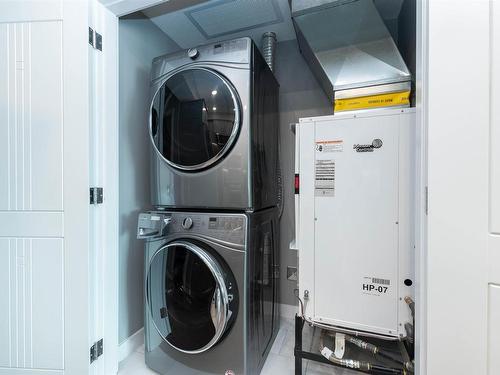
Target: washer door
{"points": [[195, 119], [191, 296]]}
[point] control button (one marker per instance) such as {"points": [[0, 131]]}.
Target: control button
{"points": [[193, 53], [187, 223]]}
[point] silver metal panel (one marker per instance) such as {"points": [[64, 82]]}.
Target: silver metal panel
{"points": [[347, 44], [246, 177]]}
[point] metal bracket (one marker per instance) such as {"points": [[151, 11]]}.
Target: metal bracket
{"points": [[96, 195], [95, 39], [96, 350]]}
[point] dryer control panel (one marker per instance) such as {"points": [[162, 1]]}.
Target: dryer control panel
{"points": [[237, 51]]}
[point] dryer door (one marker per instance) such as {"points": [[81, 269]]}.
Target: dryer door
{"points": [[195, 119], [191, 295]]}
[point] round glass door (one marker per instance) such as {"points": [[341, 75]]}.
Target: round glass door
{"points": [[195, 119], [188, 299]]}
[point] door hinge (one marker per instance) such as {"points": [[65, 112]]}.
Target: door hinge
{"points": [[96, 350], [95, 39], [96, 195]]}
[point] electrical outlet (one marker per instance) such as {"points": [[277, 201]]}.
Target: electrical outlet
{"points": [[291, 273]]}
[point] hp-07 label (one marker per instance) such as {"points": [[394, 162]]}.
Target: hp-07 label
{"points": [[375, 286]]}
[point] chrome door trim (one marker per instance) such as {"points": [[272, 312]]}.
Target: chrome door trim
{"points": [[220, 299], [232, 137]]}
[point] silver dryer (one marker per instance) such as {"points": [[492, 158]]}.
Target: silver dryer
{"points": [[214, 128]]}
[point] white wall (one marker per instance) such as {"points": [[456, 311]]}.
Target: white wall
{"points": [[139, 42], [458, 107]]}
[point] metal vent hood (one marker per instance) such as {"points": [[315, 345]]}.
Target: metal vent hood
{"points": [[349, 48]]}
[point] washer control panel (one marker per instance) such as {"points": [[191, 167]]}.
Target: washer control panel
{"points": [[224, 223], [229, 228]]}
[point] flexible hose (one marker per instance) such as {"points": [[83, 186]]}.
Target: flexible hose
{"points": [[374, 350], [268, 48], [409, 332], [411, 305], [281, 203], [410, 328], [349, 363]]}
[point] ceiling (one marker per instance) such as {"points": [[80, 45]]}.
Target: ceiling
{"points": [[211, 21], [195, 22]]}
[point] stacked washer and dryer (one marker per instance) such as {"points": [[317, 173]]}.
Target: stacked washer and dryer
{"points": [[212, 241]]}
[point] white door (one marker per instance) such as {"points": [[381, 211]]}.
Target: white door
{"points": [[44, 188], [103, 159]]}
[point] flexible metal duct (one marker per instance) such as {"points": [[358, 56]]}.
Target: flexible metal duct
{"points": [[269, 48]]}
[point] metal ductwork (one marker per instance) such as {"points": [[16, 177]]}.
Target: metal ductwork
{"points": [[268, 45], [351, 52]]}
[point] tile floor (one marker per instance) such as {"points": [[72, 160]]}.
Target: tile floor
{"points": [[280, 360]]}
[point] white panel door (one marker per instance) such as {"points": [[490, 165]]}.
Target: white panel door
{"points": [[495, 121], [43, 188], [494, 329], [494, 205]]}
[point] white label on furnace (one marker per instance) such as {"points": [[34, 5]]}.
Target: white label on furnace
{"points": [[324, 184], [330, 146], [375, 286]]}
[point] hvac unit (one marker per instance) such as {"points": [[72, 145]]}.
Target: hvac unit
{"points": [[353, 219]]}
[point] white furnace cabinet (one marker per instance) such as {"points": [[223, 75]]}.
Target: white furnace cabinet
{"points": [[354, 219]]}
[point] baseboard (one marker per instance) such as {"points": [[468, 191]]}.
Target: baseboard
{"points": [[130, 345], [288, 311]]}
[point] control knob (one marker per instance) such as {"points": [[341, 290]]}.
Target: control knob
{"points": [[193, 53], [187, 223]]}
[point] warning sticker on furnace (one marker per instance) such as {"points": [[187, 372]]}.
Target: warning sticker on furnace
{"points": [[375, 286], [324, 185], [330, 146]]}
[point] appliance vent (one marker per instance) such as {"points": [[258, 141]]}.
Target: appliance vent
{"points": [[232, 16]]}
